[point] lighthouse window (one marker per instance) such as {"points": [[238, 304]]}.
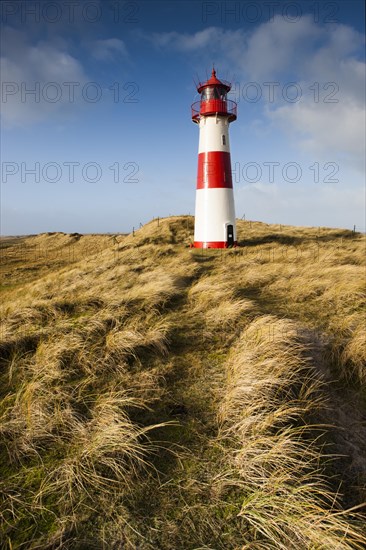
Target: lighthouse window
{"points": [[222, 93], [223, 139], [216, 92], [207, 94]]}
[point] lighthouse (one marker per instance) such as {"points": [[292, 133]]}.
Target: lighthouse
{"points": [[214, 225]]}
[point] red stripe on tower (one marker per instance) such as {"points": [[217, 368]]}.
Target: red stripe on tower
{"points": [[214, 170]]}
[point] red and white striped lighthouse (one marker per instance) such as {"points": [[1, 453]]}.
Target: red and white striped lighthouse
{"points": [[214, 225]]}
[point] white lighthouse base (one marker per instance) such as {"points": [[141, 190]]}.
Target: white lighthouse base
{"points": [[214, 225]]}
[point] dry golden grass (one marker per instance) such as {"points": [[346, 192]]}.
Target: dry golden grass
{"points": [[157, 396], [271, 389], [215, 298], [354, 352]]}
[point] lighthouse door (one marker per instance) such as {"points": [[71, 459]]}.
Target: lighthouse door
{"points": [[230, 235]]}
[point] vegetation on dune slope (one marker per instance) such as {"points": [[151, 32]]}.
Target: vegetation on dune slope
{"points": [[157, 396]]}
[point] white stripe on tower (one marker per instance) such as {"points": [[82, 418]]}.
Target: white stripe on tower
{"points": [[212, 130]]}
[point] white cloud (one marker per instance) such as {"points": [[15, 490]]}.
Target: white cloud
{"points": [[184, 42], [277, 47], [47, 67], [330, 117], [108, 49], [44, 68], [335, 131]]}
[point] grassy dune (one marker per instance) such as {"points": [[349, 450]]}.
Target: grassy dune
{"points": [[157, 396]]}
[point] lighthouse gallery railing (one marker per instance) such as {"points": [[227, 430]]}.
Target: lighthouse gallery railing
{"points": [[214, 106]]}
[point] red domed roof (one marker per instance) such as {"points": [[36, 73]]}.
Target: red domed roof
{"points": [[213, 81]]}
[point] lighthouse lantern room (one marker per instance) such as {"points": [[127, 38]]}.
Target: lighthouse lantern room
{"points": [[215, 212]]}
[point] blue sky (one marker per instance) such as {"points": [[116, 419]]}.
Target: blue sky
{"points": [[105, 141]]}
